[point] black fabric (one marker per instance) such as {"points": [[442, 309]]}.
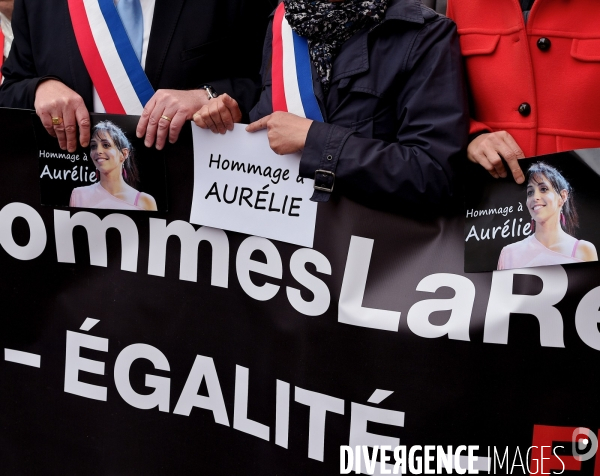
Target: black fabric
{"points": [[192, 43], [437, 5], [327, 25], [526, 5], [396, 115], [456, 389]]}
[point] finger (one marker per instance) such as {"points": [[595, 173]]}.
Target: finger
{"points": [[199, 121], [226, 116], [487, 165], [493, 147], [70, 125], [153, 123], [176, 126], [207, 118], [216, 117], [510, 157], [517, 154], [163, 127], [494, 163], [512, 143], [83, 121], [259, 125], [233, 107], [144, 118], [46, 119], [59, 129], [515, 170]]}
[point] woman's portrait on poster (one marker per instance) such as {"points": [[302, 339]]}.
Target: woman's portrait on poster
{"points": [[114, 159], [554, 221]]}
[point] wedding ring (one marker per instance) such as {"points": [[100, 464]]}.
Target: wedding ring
{"points": [[57, 121], [166, 118]]}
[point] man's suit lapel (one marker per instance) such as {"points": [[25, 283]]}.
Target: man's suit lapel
{"points": [[82, 83], [164, 23]]}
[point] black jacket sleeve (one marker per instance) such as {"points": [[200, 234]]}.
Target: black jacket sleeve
{"points": [[418, 168], [19, 71]]}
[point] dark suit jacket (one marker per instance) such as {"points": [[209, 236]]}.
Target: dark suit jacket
{"points": [[192, 42]]}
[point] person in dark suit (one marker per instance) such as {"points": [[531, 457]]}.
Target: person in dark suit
{"points": [[390, 89], [191, 44]]}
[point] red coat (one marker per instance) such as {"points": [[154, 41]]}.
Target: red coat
{"points": [[540, 81]]}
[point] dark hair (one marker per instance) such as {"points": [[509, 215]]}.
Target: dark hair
{"points": [[558, 183], [131, 174]]}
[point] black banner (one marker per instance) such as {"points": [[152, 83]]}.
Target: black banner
{"points": [[136, 344]]}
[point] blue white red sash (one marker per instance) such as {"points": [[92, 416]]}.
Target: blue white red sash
{"points": [[109, 57], [292, 82]]}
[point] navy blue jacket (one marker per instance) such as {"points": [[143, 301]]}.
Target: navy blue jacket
{"points": [[396, 116]]}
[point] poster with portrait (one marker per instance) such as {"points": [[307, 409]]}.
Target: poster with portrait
{"points": [[552, 218], [142, 344], [116, 172]]}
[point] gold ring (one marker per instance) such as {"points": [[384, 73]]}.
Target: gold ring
{"points": [[57, 121], [166, 118]]}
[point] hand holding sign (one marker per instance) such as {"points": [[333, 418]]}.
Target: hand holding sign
{"points": [[286, 132], [62, 111], [241, 185], [166, 113], [488, 150], [219, 114]]}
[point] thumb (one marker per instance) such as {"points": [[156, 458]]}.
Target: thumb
{"points": [[228, 100]]}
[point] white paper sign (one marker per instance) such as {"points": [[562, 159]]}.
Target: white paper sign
{"points": [[241, 185]]}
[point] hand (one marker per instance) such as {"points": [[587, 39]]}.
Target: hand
{"points": [[177, 105], [488, 150], [286, 132], [55, 99], [219, 114]]}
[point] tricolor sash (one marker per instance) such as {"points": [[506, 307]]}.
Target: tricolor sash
{"points": [[292, 82], [109, 57]]}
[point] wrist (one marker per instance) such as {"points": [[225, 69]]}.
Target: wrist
{"points": [[47, 80], [304, 134], [210, 91], [195, 100]]}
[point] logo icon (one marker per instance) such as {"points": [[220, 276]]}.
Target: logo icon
{"points": [[585, 444]]}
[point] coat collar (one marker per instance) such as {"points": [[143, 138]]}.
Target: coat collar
{"points": [[354, 56]]}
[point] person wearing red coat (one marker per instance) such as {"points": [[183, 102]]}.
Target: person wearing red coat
{"points": [[534, 76]]}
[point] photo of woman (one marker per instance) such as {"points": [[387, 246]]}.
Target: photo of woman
{"points": [[113, 157], [554, 220]]}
